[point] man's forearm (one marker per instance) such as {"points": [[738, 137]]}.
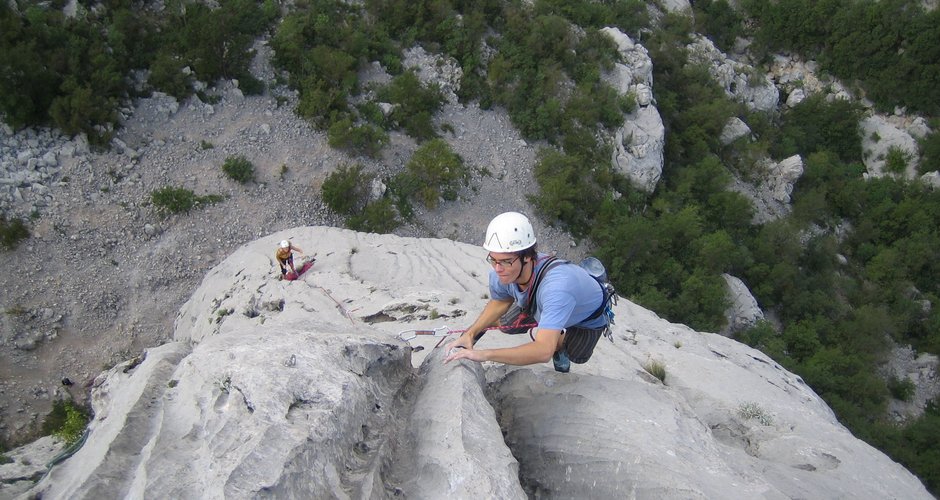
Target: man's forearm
{"points": [[539, 351]]}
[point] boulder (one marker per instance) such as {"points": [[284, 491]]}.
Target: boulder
{"points": [[744, 311], [678, 6], [635, 65], [931, 179], [782, 176], [734, 130]]}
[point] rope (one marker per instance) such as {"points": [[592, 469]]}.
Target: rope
{"points": [[338, 304]]}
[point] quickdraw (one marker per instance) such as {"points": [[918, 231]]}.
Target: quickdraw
{"points": [[442, 331], [406, 335]]}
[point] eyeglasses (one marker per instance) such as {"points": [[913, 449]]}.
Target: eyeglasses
{"points": [[501, 262]]}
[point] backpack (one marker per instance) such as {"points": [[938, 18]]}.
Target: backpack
{"points": [[519, 319]]}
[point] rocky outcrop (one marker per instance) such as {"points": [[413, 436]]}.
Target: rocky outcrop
{"points": [[771, 197], [882, 135], [638, 144], [922, 371], [740, 81], [677, 6], [435, 69], [799, 79], [881, 139], [302, 390]]}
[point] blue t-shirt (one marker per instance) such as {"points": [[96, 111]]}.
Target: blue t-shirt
{"points": [[565, 297]]}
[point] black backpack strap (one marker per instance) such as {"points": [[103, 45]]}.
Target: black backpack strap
{"points": [[606, 295], [530, 304]]}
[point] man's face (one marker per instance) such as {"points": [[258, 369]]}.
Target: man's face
{"points": [[506, 266]]}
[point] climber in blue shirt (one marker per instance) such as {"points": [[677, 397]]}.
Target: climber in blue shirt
{"points": [[568, 303]]}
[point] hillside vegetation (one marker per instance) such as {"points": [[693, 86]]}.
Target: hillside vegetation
{"points": [[852, 271]]}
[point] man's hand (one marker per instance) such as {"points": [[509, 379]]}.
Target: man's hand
{"points": [[463, 341], [464, 353]]}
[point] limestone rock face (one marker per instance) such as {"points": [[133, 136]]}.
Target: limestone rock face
{"points": [[303, 389], [639, 142], [637, 67]]}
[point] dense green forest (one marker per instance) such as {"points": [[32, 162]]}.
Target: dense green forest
{"points": [[853, 270]]}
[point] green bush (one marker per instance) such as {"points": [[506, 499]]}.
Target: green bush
{"points": [[440, 171], [321, 44], [66, 421], [404, 187], [415, 104], [568, 190], [377, 217], [930, 152], [858, 41], [250, 85], [346, 190], [166, 74], [365, 139], [753, 411], [901, 388], [719, 21], [820, 125], [12, 232], [239, 169], [171, 200]]}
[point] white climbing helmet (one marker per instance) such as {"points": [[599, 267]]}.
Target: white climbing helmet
{"points": [[509, 232], [285, 244]]}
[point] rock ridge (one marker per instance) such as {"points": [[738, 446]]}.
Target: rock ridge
{"points": [[308, 400]]}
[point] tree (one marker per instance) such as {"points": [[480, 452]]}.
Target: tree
{"points": [[802, 340], [820, 125], [567, 191]]}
